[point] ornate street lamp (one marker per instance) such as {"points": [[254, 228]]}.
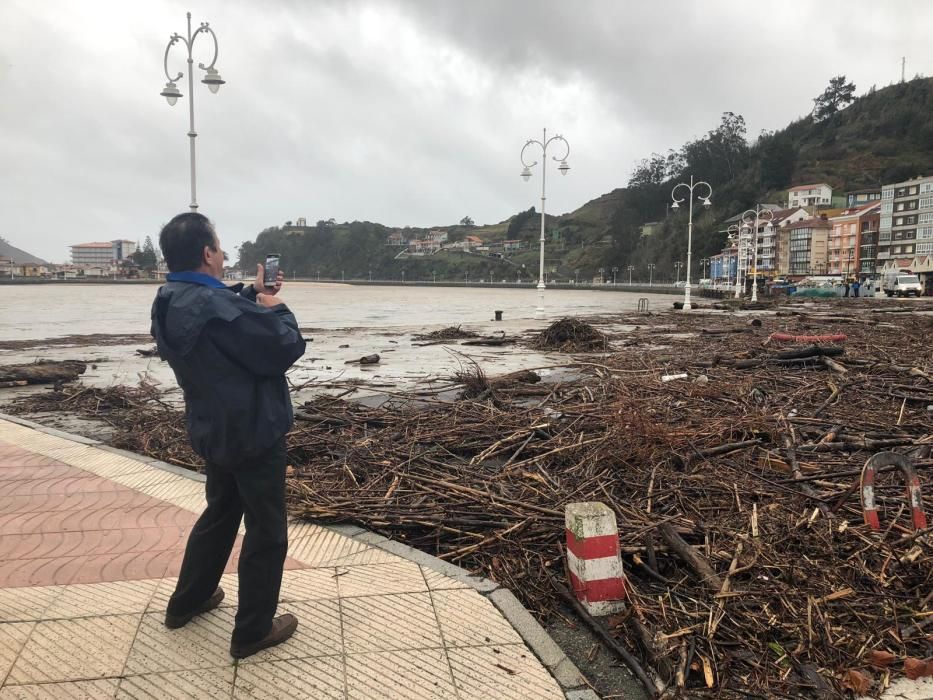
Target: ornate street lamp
{"points": [[676, 205], [171, 92], [526, 175], [754, 217]]}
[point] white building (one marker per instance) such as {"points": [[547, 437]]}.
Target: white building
{"points": [[816, 195], [906, 226], [101, 254]]}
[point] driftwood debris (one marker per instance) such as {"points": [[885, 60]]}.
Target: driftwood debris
{"points": [[740, 493], [43, 372]]}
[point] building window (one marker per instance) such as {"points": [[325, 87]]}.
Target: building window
{"points": [[887, 194], [926, 202]]}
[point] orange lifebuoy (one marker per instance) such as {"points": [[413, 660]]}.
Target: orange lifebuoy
{"points": [[828, 338]]}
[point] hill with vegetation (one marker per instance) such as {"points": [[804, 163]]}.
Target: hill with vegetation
{"points": [[848, 142]]}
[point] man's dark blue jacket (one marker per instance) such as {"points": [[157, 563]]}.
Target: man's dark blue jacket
{"points": [[229, 355]]}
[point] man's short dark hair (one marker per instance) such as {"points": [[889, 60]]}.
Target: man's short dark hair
{"points": [[182, 241]]}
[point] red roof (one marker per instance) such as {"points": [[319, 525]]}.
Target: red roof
{"points": [[813, 222]]}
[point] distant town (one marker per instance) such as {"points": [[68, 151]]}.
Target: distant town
{"points": [[815, 234]]}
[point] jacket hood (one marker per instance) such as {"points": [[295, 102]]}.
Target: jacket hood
{"points": [[181, 310]]}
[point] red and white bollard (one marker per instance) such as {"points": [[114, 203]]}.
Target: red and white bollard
{"points": [[593, 557]]}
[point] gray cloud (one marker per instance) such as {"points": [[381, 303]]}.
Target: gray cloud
{"points": [[404, 112]]}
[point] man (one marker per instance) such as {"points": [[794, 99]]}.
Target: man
{"points": [[229, 348]]}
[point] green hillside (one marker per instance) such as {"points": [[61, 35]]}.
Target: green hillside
{"points": [[881, 137]]}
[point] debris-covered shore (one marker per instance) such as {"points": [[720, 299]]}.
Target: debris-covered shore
{"points": [[729, 446]]}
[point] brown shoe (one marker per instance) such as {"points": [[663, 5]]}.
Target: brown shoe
{"points": [[173, 622], [283, 627]]}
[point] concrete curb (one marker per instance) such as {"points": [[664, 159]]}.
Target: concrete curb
{"points": [[553, 658]]}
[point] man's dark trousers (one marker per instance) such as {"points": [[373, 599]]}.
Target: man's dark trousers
{"points": [[254, 489]]}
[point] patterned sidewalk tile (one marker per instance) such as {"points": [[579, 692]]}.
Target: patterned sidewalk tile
{"points": [[202, 643], [316, 546], [18, 604], [389, 622], [469, 619], [51, 571], [402, 675], [507, 672], [178, 685], [438, 582], [114, 598], [318, 633], [321, 678], [308, 584], [100, 689], [397, 577], [13, 636], [64, 650]]}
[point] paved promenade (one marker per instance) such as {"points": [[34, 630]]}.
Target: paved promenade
{"points": [[90, 542]]}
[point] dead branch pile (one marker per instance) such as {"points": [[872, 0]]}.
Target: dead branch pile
{"points": [[571, 335], [751, 570], [449, 333]]}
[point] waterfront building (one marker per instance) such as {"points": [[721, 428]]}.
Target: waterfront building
{"points": [[807, 247], [844, 246], [101, 254], [906, 224]]}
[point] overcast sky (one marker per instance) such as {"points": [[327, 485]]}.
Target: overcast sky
{"points": [[400, 112]]}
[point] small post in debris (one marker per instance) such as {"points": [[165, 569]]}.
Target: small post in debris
{"points": [[593, 557], [643, 305], [498, 315]]}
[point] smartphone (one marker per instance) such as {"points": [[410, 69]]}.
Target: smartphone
{"points": [[271, 270]]}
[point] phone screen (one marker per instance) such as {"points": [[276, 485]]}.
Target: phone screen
{"points": [[271, 270]]}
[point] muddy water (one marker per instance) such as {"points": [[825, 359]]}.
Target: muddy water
{"points": [[344, 321]]}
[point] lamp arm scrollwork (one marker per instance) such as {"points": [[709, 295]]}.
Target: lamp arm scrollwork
{"points": [[171, 42], [205, 28], [525, 147]]}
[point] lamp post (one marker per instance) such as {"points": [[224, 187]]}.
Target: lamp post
{"points": [[615, 270], [630, 268], [651, 267], [704, 266], [676, 205], [526, 175], [602, 275], [370, 275], [737, 234], [171, 92], [434, 276], [756, 215], [677, 267]]}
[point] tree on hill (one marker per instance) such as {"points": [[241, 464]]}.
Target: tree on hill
{"points": [[518, 223], [467, 221], [835, 97]]}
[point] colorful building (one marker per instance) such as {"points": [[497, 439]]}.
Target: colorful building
{"points": [[844, 245]]}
